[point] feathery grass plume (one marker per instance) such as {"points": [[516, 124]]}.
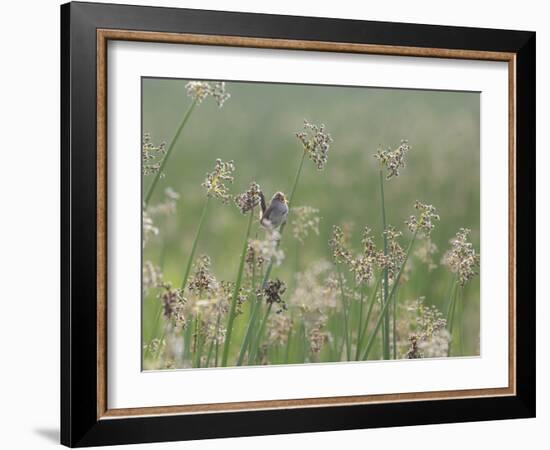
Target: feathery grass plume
{"points": [[266, 249], [316, 289], [393, 160], [305, 219], [167, 207], [278, 328], [148, 227], [202, 282], [393, 259], [425, 252], [200, 90], [462, 258], [338, 246], [152, 276], [214, 183], [151, 155], [316, 143], [424, 222], [317, 335], [249, 199], [430, 338], [173, 302]]}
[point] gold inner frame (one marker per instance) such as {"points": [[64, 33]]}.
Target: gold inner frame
{"points": [[104, 35]]}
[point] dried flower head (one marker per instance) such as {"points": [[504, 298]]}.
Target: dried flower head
{"points": [[317, 335], [215, 180], [199, 90], [316, 290], [338, 245], [462, 258], [202, 282], [249, 199], [272, 294], [168, 206], [173, 303], [148, 227], [424, 223], [262, 250], [395, 255], [305, 219], [151, 155], [430, 338], [425, 251], [316, 143], [152, 276], [393, 159], [278, 329]]}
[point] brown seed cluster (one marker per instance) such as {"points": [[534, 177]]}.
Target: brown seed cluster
{"points": [[316, 143], [215, 180], [424, 222], [462, 258], [249, 199], [393, 160], [200, 90], [151, 155], [272, 294]]}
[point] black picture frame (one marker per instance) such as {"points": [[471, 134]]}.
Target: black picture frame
{"points": [[80, 425]]}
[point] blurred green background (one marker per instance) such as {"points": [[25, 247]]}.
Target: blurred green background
{"points": [[256, 128]]}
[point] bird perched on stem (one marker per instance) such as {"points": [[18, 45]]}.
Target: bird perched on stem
{"points": [[276, 213]]}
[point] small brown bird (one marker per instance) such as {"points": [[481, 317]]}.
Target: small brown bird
{"points": [[277, 211]]}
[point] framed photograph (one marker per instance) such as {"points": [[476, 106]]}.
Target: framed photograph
{"points": [[276, 224]]}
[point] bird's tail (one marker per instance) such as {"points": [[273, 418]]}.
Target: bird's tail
{"points": [[262, 203]]}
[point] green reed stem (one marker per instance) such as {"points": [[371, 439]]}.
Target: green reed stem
{"points": [[394, 329], [249, 329], [187, 336], [233, 308], [282, 227], [288, 340], [169, 152], [345, 312], [385, 305], [451, 315], [360, 324], [211, 347], [254, 353], [386, 339], [372, 301], [194, 246], [197, 346]]}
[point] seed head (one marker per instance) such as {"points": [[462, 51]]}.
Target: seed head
{"points": [[337, 244], [272, 294], [393, 160], [305, 219], [199, 90], [262, 250], [462, 258], [151, 155], [215, 180], [249, 199], [316, 143], [203, 281], [424, 223]]}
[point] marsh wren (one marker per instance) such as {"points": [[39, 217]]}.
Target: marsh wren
{"points": [[276, 213]]}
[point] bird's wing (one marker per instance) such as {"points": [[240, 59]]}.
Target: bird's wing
{"points": [[266, 213], [262, 202]]}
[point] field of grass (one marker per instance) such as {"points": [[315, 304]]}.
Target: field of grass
{"points": [[402, 305]]}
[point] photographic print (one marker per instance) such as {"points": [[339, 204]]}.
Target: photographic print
{"points": [[299, 224]]}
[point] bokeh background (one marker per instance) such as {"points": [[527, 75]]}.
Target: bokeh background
{"points": [[256, 128]]}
